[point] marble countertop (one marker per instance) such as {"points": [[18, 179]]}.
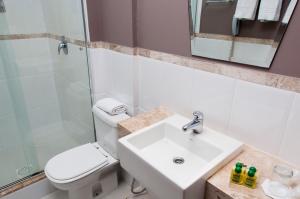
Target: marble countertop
{"points": [[250, 156], [219, 182], [143, 120]]}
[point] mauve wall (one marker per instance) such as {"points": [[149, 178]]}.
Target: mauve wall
{"points": [[287, 59], [163, 25], [111, 21]]}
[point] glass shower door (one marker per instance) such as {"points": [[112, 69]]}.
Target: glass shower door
{"points": [[15, 150], [45, 100]]}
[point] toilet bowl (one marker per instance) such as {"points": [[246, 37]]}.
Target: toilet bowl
{"points": [[89, 171]]}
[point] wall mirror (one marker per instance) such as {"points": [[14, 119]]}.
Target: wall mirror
{"points": [[241, 31]]}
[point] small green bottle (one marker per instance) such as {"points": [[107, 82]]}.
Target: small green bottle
{"points": [[250, 180], [237, 174]]}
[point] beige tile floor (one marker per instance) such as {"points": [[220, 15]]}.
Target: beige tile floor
{"points": [[123, 192]]}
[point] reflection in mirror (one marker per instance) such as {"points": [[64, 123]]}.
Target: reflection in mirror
{"points": [[241, 31]]}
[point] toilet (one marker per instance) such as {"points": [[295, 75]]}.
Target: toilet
{"points": [[89, 171]]}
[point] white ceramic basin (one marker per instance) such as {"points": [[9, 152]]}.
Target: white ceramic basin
{"points": [[148, 155]]}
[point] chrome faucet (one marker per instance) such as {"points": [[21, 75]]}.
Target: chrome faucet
{"points": [[196, 124], [63, 45]]}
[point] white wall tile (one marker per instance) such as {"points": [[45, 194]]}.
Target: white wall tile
{"points": [[253, 113], [28, 49], [29, 70], [259, 115], [177, 88], [213, 95], [78, 96], [72, 83], [151, 80], [72, 66], [164, 84], [9, 131], [120, 69], [99, 75], [112, 75], [18, 13], [290, 148], [2, 75], [39, 91], [44, 116], [62, 21], [185, 90], [5, 99], [44, 16], [25, 57]]}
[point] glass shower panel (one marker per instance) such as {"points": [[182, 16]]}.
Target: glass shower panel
{"points": [[18, 159], [45, 101]]}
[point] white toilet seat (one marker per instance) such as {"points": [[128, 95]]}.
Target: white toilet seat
{"points": [[75, 163]]}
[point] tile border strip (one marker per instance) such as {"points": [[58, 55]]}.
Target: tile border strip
{"points": [[245, 74], [23, 36], [42, 35], [114, 47], [68, 39], [226, 69]]}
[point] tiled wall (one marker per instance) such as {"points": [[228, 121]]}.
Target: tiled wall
{"points": [[63, 17], [22, 17], [73, 90], [35, 74], [263, 116], [113, 75], [60, 17]]}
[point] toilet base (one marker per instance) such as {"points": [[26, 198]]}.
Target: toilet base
{"points": [[97, 189]]}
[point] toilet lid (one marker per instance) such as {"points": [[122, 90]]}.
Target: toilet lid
{"points": [[74, 163]]}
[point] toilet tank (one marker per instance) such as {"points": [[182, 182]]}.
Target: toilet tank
{"points": [[107, 130]]}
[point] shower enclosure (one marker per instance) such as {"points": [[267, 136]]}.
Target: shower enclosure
{"points": [[45, 100]]}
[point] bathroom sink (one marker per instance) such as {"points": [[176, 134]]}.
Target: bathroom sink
{"points": [[173, 164]]}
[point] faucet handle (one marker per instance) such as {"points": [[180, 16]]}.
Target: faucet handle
{"points": [[63, 44], [198, 115]]}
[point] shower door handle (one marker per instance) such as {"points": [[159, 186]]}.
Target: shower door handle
{"points": [[63, 45]]}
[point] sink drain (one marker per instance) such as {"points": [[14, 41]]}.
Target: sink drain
{"points": [[178, 160]]}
